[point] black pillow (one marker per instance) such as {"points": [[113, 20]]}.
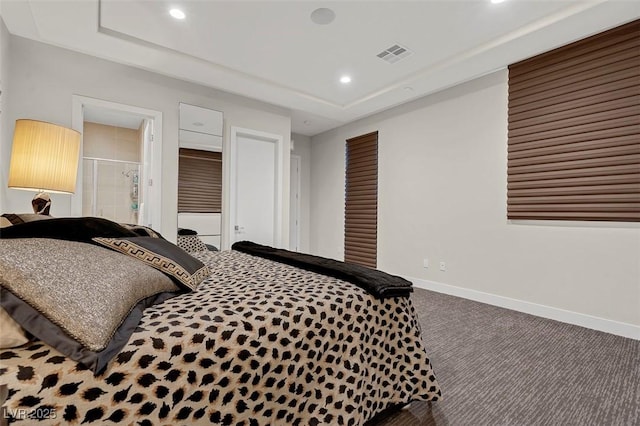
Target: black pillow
{"points": [[81, 229], [184, 231]]}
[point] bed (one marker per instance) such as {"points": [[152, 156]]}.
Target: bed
{"points": [[256, 342]]}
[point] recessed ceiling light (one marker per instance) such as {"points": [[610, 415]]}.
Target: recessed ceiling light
{"points": [[345, 79], [177, 13], [497, 1], [323, 16]]}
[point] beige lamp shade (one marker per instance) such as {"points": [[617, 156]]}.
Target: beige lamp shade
{"points": [[44, 157]]}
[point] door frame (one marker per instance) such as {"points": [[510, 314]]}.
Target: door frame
{"points": [[78, 103], [297, 159], [230, 172]]}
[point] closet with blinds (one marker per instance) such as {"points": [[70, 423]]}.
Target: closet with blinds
{"points": [[200, 172]]}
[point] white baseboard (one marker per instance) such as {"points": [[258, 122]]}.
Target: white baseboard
{"points": [[601, 324]]}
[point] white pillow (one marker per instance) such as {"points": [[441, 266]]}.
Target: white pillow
{"points": [[11, 334]]}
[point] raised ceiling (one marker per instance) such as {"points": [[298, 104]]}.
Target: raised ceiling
{"points": [[272, 51]]}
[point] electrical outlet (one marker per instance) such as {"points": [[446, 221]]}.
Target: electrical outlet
{"points": [[443, 266], [425, 263]]}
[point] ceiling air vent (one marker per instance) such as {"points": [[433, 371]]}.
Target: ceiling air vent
{"points": [[394, 53]]}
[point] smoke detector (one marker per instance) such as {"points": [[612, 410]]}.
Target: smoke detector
{"points": [[394, 53]]}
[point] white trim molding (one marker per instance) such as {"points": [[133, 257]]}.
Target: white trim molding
{"points": [[78, 103], [588, 321]]}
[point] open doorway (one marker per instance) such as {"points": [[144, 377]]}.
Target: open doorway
{"points": [[119, 172]]}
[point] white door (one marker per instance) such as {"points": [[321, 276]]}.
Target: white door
{"points": [[255, 190], [294, 204], [144, 218]]}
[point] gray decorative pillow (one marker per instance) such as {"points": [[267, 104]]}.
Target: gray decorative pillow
{"points": [[4, 222], [79, 298], [162, 255], [11, 334]]}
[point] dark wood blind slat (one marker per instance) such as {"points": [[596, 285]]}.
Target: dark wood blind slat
{"points": [[199, 181], [363, 167], [619, 58], [361, 200], [361, 227], [605, 190], [579, 137], [607, 179], [575, 173], [568, 107], [577, 207], [601, 43], [590, 216], [546, 123], [361, 177], [592, 199], [362, 146], [533, 118], [622, 78], [582, 129], [362, 142], [524, 104], [589, 163], [545, 147], [535, 158]]}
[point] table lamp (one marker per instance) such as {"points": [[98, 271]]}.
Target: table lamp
{"points": [[44, 157]]}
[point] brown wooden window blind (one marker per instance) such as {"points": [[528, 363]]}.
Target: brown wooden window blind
{"points": [[361, 201], [574, 131], [199, 181]]}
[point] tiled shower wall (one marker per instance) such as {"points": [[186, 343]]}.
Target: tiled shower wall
{"points": [[118, 150]]}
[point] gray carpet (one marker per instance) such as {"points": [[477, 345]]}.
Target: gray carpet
{"points": [[501, 367]]}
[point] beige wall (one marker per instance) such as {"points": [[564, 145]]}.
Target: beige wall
{"points": [[442, 196], [44, 78], [111, 142], [114, 184]]}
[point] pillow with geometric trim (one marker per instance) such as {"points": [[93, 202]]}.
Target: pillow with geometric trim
{"points": [[81, 299], [187, 271]]}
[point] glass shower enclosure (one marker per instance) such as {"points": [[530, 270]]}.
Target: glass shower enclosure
{"points": [[111, 189]]}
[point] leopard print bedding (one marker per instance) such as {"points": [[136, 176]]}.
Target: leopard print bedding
{"points": [[258, 343]]}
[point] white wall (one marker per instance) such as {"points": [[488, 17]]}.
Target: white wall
{"points": [[302, 147], [6, 127], [43, 79], [442, 196]]}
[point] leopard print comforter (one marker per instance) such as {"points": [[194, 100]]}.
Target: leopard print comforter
{"points": [[258, 343]]}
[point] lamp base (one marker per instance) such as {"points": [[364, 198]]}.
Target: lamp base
{"points": [[41, 203]]}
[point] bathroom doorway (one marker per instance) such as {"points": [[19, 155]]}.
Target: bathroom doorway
{"points": [[118, 176]]}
